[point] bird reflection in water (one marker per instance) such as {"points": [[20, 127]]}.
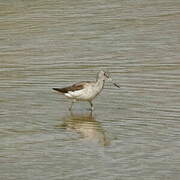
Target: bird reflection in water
{"points": [[87, 126]]}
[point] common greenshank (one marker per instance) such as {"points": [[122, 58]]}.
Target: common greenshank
{"points": [[85, 90]]}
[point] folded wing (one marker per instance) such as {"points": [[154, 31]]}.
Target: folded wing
{"points": [[74, 87]]}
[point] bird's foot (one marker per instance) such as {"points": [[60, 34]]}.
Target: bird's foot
{"points": [[91, 109]]}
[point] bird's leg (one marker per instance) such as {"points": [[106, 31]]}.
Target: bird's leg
{"points": [[70, 108], [91, 105]]}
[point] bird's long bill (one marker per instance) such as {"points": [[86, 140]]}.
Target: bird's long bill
{"points": [[114, 83]]}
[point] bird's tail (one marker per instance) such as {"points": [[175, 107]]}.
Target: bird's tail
{"points": [[61, 90]]}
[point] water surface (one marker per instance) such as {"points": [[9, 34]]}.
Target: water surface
{"points": [[133, 132]]}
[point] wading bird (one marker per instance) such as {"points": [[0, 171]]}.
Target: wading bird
{"points": [[85, 90]]}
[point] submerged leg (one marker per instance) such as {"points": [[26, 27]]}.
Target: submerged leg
{"points": [[91, 105], [70, 108]]}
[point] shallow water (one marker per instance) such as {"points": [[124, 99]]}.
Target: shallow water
{"points": [[133, 132]]}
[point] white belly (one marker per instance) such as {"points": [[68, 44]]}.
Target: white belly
{"points": [[86, 94]]}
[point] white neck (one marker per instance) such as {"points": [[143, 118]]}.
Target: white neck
{"points": [[100, 83]]}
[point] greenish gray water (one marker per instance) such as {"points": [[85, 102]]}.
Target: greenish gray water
{"points": [[133, 132]]}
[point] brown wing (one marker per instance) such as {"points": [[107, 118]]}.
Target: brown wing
{"points": [[74, 87]]}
